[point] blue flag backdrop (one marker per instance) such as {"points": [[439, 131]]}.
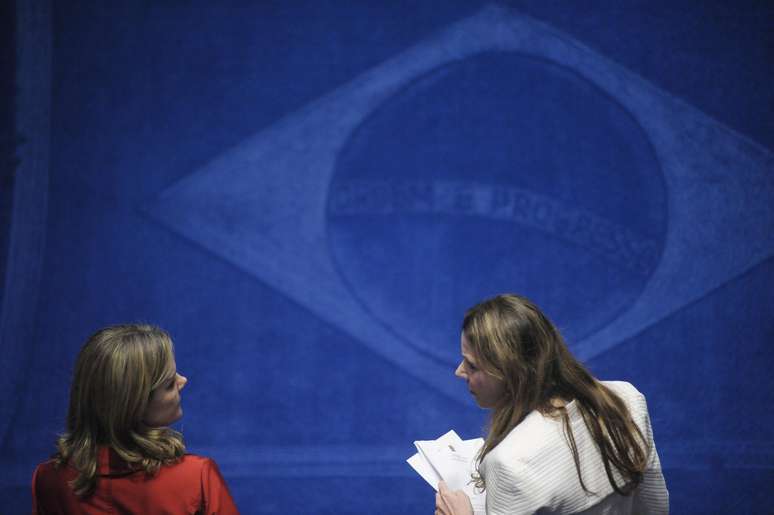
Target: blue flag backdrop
{"points": [[308, 195]]}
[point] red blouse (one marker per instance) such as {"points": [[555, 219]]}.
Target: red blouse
{"points": [[191, 486]]}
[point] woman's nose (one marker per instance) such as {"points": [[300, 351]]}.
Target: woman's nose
{"points": [[460, 372], [181, 381]]}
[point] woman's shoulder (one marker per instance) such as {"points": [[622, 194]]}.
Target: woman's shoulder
{"points": [[533, 437], [539, 436], [45, 470], [196, 459], [623, 388], [182, 483], [632, 397], [187, 464], [52, 479], [522, 472], [635, 402], [194, 462], [193, 465], [47, 465], [50, 469]]}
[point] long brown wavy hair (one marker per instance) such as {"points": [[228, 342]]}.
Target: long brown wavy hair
{"points": [[115, 373], [517, 344]]}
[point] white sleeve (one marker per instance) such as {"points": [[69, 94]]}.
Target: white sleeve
{"points": [[651, 496], [512, 490]]}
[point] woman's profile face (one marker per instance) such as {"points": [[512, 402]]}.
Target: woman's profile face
{"points": [[487, 390], [164, 406]]}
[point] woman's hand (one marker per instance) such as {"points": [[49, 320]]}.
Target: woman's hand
{"points": [[451, 503]]}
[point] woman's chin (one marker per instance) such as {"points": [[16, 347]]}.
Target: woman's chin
{"points": [[478, 401], [483, 403]]}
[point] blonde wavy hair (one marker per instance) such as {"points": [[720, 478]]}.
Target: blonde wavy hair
{"points": [[517, 344], [115, 373]]}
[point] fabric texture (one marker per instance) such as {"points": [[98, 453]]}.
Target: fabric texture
{"points": [[194, 485], [532, 469]]}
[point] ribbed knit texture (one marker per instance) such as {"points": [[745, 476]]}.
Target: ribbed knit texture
{"points": [[532, 468]]}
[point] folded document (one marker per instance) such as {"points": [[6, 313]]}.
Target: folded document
{"points": [[451, 459]]}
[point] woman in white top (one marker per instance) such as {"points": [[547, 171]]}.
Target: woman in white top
{"points": [[559, 440]]}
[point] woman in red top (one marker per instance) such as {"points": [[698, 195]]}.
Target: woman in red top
{"points": [[118, 454]]}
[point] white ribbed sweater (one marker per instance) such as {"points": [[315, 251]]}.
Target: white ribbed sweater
{"points": [[532, 469]]}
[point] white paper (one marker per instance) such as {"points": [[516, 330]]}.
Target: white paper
{"points": [[424, 469], [451, 459], [437, 453]]}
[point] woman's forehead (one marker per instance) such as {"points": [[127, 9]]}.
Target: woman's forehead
{"points": [[171, 366], [465, 348]]}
